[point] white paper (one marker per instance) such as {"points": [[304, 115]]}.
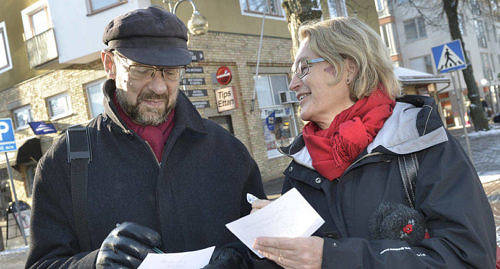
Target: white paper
{"points": [[289, 216], [183, 260]]}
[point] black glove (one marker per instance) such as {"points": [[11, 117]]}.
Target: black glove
{"points": [[127, 246], [233, 255]]}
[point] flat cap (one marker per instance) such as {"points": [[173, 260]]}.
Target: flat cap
{"points": [[149, 36]]}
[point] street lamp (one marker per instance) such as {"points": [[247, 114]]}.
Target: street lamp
{"points": [[197, 25]]}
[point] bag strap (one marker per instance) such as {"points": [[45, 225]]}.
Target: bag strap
{"points": [[79, 157], [408, 167]]}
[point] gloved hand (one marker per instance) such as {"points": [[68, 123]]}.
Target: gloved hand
{"points": [[127, 246], [233, 255]]}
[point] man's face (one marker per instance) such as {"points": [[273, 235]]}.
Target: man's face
{"points": [[146, 93]]}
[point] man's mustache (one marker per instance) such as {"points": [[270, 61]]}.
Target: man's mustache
{"points": [[152, 96]]}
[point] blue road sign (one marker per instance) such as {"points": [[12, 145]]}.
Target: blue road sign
{"points": [[7, 139], [449, 57], [42, 127]]}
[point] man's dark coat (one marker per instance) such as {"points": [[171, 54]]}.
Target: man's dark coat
{"points": [[199, 186]]}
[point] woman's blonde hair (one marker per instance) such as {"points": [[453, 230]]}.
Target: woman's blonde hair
{"points": [[345, 37]]}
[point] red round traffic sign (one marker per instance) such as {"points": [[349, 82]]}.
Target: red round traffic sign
{"points": [[223, 75]]}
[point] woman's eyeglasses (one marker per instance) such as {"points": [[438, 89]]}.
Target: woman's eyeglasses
{"points": [[303, 67]]}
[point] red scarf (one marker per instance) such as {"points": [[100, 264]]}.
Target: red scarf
{"points": [[155, 136], [332, 150]]}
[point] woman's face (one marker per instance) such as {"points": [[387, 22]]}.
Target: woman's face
{"points": [[321, 98]]}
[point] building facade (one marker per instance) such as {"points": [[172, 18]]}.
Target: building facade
{"points": [[411, 32], [52, 72]]}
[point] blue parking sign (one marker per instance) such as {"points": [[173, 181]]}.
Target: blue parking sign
{"points": [[7, 139]]}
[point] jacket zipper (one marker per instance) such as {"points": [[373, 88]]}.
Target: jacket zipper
{"points": [[358, 160]]}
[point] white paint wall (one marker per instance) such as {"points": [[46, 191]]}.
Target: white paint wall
{"points": [[78, 36]]}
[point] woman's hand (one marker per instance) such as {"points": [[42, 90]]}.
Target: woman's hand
{"points": [[258, 204], [292, 252]]}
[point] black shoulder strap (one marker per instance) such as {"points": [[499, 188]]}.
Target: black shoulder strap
{"points": [[408, 167], [79, 157]]}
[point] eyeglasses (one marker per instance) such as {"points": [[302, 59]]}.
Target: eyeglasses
{"points": [[144, 72], [303, 67]]}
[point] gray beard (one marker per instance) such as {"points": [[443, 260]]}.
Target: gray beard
{"points": [[140, 114]]}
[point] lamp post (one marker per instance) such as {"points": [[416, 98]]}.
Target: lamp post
{"points": [[198, 24]]}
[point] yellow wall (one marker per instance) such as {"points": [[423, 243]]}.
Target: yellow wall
{"points": [[10, 13], [225, 16]]}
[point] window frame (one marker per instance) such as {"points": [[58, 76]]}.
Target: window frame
{"points": [[16, 125], [480, 30], [27, 18], [87, 86], [62, 115], [417, 27], [245, 11], [91, 11], [3, 32]]}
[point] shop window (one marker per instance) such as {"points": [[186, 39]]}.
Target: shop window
{"points": [[59, 106], [22, 116], [277, 112], [271, 8], [5, 61], [423, 63], [415, 29], [95, 97], [96, 6]]}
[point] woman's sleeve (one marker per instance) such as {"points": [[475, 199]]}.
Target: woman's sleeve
{"points": [[458, 216]]}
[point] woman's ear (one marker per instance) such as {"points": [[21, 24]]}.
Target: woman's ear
{"points": [[108, 64], [352, 70]]}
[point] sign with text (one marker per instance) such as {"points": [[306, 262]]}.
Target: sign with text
{"points": [[226, 99], [194, 69], [193, 81], [196, 93], [42, 127], [201, 104], [7, 139], [197, 55]]}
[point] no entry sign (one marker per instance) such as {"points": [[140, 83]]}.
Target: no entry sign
{"points": [[223, 75]]}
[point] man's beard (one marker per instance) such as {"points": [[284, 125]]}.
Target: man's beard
{"points": [[143, 114]]}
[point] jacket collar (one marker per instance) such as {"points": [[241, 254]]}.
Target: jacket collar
{"points": [[414, 125], [185, 113]]}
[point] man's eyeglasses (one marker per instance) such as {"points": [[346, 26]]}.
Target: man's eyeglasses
{"points": [[303, 67], [144, 72]]}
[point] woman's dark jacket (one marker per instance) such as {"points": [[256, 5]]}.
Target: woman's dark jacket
{"points": [[199, 186], [448, 194]]}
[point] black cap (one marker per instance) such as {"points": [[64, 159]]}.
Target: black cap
{"points": [[149, 36]]}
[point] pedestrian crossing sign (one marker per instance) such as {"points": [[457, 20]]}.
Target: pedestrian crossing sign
{"points": [[449, 57]]}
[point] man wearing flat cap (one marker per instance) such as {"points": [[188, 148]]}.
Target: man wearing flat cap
{"points": [[153, 174]]}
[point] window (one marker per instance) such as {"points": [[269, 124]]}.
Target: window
{"points": [[337, 8], [271, 8], [415, 29], [59, 106], [36, 19], [379, 5], [278, 120], [493, 66], [423, 63], [95, 6], [480, 33], [5, 61], [461, 24], [487, 72], [95, 97], [475, 7], [22, 116]]}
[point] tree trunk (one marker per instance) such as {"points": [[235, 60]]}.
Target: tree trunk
{"points": [[476, 109], [298, 12]]}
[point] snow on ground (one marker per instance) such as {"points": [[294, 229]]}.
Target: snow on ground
{"points": [[13, 251], [489, 176]]}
